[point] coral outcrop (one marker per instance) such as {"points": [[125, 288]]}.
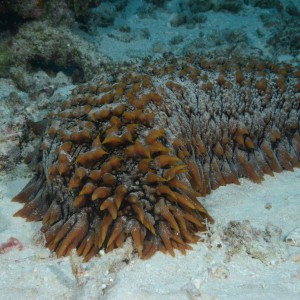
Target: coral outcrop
{"points": [[81, 7], [35, 9], [197, 6], [28, 9], [265, 3], [129, 153], [39, 46]]}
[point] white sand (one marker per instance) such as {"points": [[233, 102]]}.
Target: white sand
{"points": [[204, 273], [209, 36], [215, 28]]}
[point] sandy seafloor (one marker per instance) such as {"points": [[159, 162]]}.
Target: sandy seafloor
{"points": [[266, 267], [270, 269]]}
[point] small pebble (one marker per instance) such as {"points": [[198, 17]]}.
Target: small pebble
{"points": [[268, 206], [293, 238]]}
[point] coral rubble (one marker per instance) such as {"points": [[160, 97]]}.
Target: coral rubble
{"points": [[131, 151]]}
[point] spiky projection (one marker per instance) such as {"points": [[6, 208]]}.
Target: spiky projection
{"points": [[129, 155]]}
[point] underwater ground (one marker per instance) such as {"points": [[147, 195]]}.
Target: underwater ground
{"points": [[47, 48]]}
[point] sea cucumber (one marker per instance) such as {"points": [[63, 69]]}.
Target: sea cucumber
{"points": [[130, 152]]}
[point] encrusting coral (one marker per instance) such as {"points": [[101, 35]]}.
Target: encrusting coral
{"points": [[129, 154]]}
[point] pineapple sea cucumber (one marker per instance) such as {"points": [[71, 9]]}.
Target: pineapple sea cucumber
{"points": [[128, 155]]}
